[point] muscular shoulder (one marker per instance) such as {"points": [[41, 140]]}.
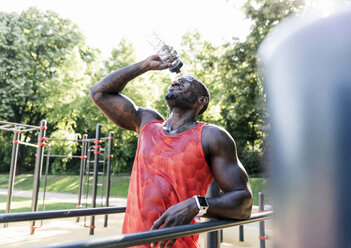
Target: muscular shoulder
{"points": [[147, 115], [216, 139]]}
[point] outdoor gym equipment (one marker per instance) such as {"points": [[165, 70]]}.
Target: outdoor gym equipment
{"points": [[102, 156], [86, 149], [17, 129], [127, 240]]}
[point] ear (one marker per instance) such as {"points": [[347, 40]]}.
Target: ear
{"points": [[203, 100]]}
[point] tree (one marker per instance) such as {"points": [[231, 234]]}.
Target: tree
{"points": [[41, 57], [141, 90], [244, 113], [201, 59]]}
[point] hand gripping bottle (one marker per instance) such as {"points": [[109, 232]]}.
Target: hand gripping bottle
{"points": [[165, 52]]}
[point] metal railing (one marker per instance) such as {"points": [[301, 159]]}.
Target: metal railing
{"points": [[55, 214], [140, 238], [127, 240]]}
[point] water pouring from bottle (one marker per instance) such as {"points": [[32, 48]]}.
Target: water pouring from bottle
{"points": [[165, 52]]}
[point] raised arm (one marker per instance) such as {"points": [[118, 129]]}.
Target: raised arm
{"points": [[121, 110]]}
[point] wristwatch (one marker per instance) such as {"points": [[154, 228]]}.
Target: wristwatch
{"points": [[202, 204]]}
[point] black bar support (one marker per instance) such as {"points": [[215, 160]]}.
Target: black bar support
{"points": [[241, 233], [132, 239], [81, 173], [108, 173], [213, 238], [37, 171], [95, 180], [14, 156], [262, 236], [56, 214]]}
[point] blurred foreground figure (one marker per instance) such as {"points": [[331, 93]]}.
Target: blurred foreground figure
{"points": [[307, 68]]}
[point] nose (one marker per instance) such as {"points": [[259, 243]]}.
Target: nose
{"points": [[175, 83]]}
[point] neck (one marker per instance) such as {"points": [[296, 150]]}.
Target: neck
{"points": [[180, 121]]}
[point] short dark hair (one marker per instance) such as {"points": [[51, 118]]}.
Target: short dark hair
{"points": [[204, 92]]}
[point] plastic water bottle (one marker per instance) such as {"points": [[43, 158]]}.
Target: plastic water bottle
{"points": [[165, 52]]}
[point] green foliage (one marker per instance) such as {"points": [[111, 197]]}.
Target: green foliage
{"points": [[46, 69], [244, 113], [230, 72], [260, 185], [44, 65]]}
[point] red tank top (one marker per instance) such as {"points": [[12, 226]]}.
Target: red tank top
{"points": [[166, 170]]}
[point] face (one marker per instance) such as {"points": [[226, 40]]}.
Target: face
{"points": [[183, 89]]}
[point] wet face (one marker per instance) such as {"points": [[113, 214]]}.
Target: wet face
{"points": [[184, 89]]}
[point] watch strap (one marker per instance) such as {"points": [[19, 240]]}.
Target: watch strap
{"points": [[202, 208]]}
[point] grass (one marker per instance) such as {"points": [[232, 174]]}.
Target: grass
{"points": [[23, 204], [260, 185], [119, 185], [66, 184]]}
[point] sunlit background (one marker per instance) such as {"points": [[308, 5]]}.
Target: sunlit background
{"points": [[105, 22]]}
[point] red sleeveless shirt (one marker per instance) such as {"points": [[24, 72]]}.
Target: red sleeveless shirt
{"points": [[166, 170]]}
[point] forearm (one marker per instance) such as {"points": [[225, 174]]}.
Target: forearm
{"points": [[231, 205], [115, 82]]}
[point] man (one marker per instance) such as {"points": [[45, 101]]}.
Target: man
{"points": [[176, 159]]}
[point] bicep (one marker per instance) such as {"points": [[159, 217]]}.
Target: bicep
{"points": [[227, 170], [229, 175]]}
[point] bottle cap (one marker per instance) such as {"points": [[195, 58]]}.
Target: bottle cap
{"points": [[177, 64]]}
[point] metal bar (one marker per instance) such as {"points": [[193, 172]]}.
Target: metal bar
{"points": [[56, 214], [7, 125], [95, 179], [29, 129], [27, 144], [105, 138], [17, 128], [92, 173], [92, 184], [46, 177], [37, 173], [81, 173], [61, 156], [262, 236], [101, 150], [241, 233], [87, 178], [54, 139], [213, 238], [13, 165], [100, 161], [133, 239], [18, 124], [86, 182], [6, 129], [108, 175], [9, 129]]}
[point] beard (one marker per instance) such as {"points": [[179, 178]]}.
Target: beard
{"points": [[180, 98]]}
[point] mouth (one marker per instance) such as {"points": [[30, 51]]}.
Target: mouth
{"points": [[173, 88]]}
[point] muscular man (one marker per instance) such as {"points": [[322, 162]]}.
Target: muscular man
{"points": [[177, 158]]}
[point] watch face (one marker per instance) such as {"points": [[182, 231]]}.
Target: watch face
{"points": [[202, 201]]}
